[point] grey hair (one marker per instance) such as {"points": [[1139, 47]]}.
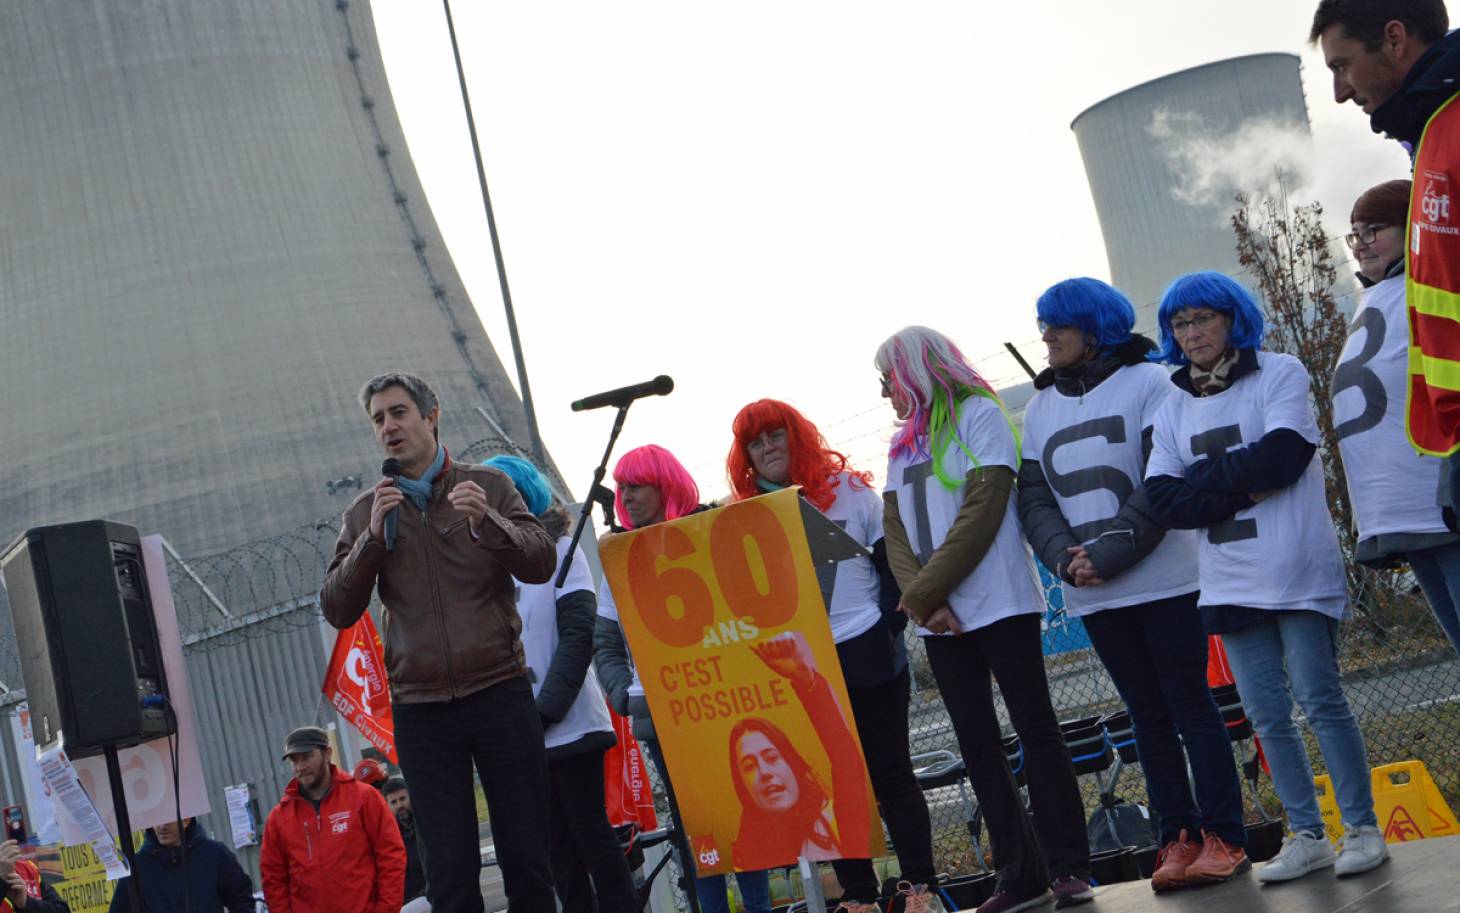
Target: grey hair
{"points": [[420, 391]]}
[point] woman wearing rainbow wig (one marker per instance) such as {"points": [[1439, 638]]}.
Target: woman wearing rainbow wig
{"points": [[968, 581], [775, 446], [651, 487], [1086, 434], [1233, 457]]}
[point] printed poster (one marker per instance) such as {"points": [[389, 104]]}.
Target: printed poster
{"points": [[724, 617]]}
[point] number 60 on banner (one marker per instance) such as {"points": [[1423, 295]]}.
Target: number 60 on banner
{"points": [[685, 583]]}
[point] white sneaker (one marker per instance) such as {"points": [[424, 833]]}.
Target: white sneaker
{"points": [[1363, 849], [1301, 854]]}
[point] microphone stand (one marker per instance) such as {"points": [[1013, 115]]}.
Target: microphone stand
{"points": [[583, 515]]}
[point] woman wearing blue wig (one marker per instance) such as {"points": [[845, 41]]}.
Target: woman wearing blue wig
{"points": [[557, 637], [1084, 510], [1233, 457]]}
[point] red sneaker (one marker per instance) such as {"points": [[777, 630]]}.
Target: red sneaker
{"points": [[1172, 862], [1219, 860]]}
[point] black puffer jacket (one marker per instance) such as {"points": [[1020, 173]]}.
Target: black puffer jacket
{"points": [[1132, 533]]}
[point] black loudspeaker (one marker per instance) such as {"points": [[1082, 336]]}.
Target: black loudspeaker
{"points": [[86, 636]]}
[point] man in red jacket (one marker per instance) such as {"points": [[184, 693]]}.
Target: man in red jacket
{"points": [[331, 845]]}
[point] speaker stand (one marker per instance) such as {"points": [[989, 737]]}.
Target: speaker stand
{"points": [[124, 825]]}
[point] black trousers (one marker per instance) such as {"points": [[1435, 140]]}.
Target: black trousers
{"points": [[881, 715], [587, 858], [498, 730], [1027, 854], [1157, 655]]}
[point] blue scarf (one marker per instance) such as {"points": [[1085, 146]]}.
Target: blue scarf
{"points": [[419, 490], [765, 484]]}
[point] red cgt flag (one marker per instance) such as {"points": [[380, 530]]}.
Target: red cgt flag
{"points": [[355, 684]]}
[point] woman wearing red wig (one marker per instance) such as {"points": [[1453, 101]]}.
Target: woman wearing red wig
{"points": [[776, 446], [651, 487]]}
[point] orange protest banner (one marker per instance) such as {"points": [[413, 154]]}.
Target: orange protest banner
{"points": [[725, 621]]}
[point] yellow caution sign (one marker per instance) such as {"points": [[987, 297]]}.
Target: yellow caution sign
{"points": [[1406, 800]]}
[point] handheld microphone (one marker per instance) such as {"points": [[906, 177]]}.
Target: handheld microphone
{"points": [[659, 386], [391, 470]]}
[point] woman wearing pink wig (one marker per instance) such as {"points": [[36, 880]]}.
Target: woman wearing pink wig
{"points": [[652, 487]]}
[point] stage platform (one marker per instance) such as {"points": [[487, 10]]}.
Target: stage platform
{"points": [[1422, 876]]}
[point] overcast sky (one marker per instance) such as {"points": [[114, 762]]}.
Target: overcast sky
{"points": [[750, 197]]}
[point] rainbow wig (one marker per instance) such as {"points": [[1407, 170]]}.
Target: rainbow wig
{"points": [[1100, 311], [530, 483], [814, 465], [653, 465], [1214, 291], [926, 369]]}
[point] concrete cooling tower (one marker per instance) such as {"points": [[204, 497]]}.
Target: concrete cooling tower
{"points": [[211, 234], [1156, 227]]}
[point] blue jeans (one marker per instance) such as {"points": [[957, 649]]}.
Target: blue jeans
{"points": [[1294, 654], [1156, 653], [755, 891], [1438, 572]]}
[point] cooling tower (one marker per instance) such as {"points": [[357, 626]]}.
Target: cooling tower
{"points": [[211, 233], [1153, 231]]}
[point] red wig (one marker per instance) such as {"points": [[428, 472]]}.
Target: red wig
{"points": [[653, 465], [814, 465]]}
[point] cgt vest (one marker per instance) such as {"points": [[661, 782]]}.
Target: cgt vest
{"points": [[1432, 286]]}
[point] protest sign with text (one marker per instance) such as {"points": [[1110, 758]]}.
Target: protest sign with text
{"points": [[725, 620]]}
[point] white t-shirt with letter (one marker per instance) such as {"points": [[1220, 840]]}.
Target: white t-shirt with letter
{"points": [[1090, 449], [1281, 553], [1005, 583]]}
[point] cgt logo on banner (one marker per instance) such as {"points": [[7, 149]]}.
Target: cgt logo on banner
{"points": [[355, 685]]}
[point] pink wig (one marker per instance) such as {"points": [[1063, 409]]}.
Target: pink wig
{"points": [[653, 465]]}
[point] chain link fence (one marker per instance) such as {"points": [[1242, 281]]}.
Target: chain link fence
{"points": [[1401, 675]]}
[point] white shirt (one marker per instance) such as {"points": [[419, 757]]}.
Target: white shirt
{"points": [[1005, 583], [853, 586], [1281, 553], [1090, 449], [1392, 488], [607, 608], [537, 603]]}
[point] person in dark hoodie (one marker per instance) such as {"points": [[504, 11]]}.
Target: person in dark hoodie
{"points": [[1394, 60], [1391, 490], [557, 635], [1087, 433], [182, 868]]}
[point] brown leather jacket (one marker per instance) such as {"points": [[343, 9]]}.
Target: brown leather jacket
{"points": [[450, 622]]}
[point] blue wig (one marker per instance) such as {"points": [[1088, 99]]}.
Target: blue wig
{"points": [[1213, 291], [1100, 311], [530, 483]]}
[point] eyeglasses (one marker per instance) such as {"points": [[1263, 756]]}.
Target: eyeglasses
{"points": [[1202, 320], [1364, 234], [886, 385]]}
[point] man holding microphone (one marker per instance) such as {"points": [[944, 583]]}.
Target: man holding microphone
{"points": [[441, 543]]}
